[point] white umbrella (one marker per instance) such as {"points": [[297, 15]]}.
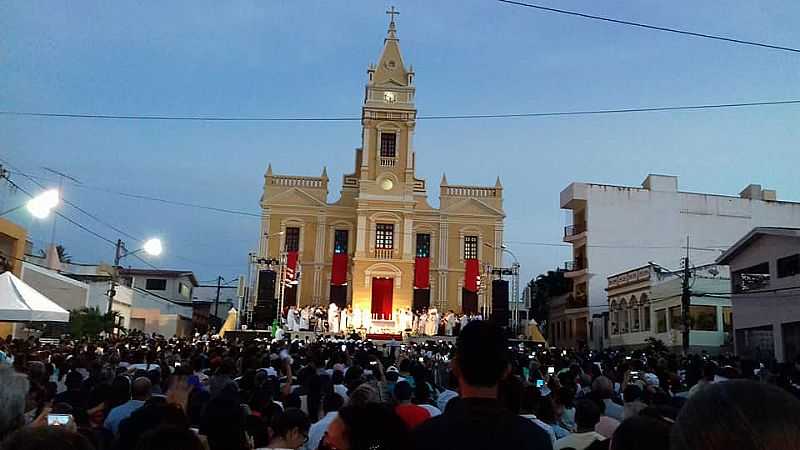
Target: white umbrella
{"points": [[22, 303]]}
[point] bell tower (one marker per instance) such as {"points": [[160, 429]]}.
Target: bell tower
{"points": [[388, 120]]}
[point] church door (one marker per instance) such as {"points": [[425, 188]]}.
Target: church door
{"points": [[382, 291]]}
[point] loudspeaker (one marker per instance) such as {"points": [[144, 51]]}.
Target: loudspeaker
{"points": [[422, 300], [500, 302], [264, 315], [266, 287], [469, 302], [264, 309]]}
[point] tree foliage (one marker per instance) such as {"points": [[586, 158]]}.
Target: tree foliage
{"points": [[545, 287], [91, 322]]}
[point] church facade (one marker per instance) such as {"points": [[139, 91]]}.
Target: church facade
{"points": [[381, 246]]}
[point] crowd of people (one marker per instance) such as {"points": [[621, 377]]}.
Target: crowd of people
{"points": [[336, 320], [480, 391]]}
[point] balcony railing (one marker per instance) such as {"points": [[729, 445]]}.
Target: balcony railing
{"points": [[384, 253], [575, 265], [387, 161], [574, 230]]}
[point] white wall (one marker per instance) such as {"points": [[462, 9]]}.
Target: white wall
{"points": [[122, 299], [66, 292], [629, 226]]}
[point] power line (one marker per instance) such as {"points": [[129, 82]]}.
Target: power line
{"points": [[652, 27], [423, 117]]}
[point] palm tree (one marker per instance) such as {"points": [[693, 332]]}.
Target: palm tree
{"points": [[63, 256]]}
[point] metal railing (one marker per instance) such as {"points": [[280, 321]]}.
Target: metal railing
{"points": [[384, 253], [573, 230], [575, 265], [388, 161]]}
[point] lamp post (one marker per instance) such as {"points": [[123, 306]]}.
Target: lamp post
{"points": [[152, 247]]}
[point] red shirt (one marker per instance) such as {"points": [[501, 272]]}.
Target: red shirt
{"points": [[412, 415]]}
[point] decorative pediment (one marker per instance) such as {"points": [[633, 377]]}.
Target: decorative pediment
{"points": [[472, 207], [294, 197]]}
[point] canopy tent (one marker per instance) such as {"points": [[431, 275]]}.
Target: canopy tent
{"points": [[22, 303], [230, 322]]}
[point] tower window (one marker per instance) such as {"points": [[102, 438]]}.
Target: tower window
{"points": [[292, 239], [423, 245], [470, 247], [340, 241], [384, 235], [388, 145]]}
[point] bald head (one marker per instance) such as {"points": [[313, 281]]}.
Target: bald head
{"points": [[603, 386], [140, 389]]}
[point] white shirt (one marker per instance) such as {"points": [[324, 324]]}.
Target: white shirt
{"points": [[444, 397], [341, 390], [578, 441], [434, 411], [317, 431]]}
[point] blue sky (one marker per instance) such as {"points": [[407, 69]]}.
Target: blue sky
{"points": [[305, 58]]}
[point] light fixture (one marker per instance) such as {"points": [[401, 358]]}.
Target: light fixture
{"points": [[153, 247], [41, 205]]}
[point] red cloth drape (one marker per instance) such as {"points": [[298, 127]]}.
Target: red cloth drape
{"points": [[422, 271], [291, 265], [382, 296], [339, 269], [471, 275]]}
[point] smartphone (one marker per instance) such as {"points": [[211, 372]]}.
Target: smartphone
{"points": [[58, 419], [421, 359], [539, 383], [177, 364], [551, 370], [373, 363], [634, 373], [344, 348]]}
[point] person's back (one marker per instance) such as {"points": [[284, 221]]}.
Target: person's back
{"points": [[587, 415], [412, 415], [477, 420], [738, 414], [140, 392]]}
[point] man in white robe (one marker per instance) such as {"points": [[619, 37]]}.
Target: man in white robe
{"points": [[345, 319], [464, 321], [451, 321], [333, 318], [432, 324], [305, 314], [291, 322]]}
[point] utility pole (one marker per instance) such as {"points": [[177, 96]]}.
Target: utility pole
{"points": [[216, 300], [118, 253], [686, 296]]}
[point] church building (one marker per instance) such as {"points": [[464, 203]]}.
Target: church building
{"points": [[380, 246]]}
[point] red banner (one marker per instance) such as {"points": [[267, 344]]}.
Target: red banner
{"points": [[339, 269], [471, 274], [291, 266], [422, 273], [382, 297]]}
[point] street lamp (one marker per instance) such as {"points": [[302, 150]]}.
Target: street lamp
{"points": [[39, 206], [152, 247]]}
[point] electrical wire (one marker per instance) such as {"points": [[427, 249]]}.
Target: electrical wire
{"points": [[652, 27], [422, 117]]}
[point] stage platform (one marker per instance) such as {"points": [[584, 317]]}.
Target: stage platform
{"points": [[310, 336]]}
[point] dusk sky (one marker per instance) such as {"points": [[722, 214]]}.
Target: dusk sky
{"points": [[270, 58]]}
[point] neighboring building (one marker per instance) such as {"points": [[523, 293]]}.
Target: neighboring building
{"points": [[173, 285], [381, 247], [765, 286], [617, 227], [12, 247], [561, 329], [66, 292], [646, 303], [149, 300]]}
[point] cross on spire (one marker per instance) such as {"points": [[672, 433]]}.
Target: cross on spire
{"points": [[392, 12]]}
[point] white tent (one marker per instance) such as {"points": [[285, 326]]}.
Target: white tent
{"points": [[22, 303]]}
